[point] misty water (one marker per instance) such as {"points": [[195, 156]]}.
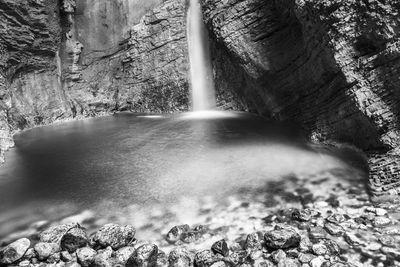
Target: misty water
{"points": [[128, 159]]}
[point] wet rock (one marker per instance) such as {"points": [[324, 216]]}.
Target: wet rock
{"points": [[381, 221], [352, 239], [85, 256], [289, 263], [14, 251], [123, 254], [104, 258], [55, 233], [316, 233], [387, 241], [284, 238], [305, 244], [67, 257], [179, 257], [302, 215], [144, 256], [336, 218], [204, 258], [316, 262], [254, 241], [305, 257], [176, 232], [237, 257], [334, 229], [75, 238], [114, 235], [320, 249], [278, 256], [162, 259], [220, 247], [44, 250], [191, 236]]}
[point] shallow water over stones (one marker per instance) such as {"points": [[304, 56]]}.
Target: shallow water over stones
{"points": [[130, 163]]}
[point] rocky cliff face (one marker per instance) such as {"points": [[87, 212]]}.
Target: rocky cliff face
{"points": [[331, 66], [79, 58]]}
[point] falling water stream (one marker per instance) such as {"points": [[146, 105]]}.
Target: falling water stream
{"points": [[202, 83]]}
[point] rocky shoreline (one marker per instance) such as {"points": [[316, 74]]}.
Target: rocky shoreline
{"points": [[325, 220]]}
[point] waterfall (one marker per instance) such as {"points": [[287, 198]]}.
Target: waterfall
{"points": [[201, 76]]}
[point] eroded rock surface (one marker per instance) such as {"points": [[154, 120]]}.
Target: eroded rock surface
{"points": [[330, 66]]}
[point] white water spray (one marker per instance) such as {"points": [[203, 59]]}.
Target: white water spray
{"points": [[201, 76]]}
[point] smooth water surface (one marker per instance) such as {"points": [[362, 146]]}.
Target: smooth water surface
{"points": [[130, 159]]}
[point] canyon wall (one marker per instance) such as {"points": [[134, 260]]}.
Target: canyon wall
{"points": [[331, 66], [79, 58]]}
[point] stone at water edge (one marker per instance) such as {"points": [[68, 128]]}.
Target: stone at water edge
{"points": [[73, 239], [204, 258], [14, 251], [85, 256], [44, 250], [123, 254], [176, 233], [179, 257], [114, 235], [220, 247], [54, 234], [144, 256], [254, 241], [284, 238]]}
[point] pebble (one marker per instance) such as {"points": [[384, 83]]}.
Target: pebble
{"points": [[114, 235], [85, 256], [145, 255], [284, 238], [44, 250]]}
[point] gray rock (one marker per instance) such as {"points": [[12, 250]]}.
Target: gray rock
{"points": [[204, 258], [44, 250], [176, 232], [144, 256], [114, 235], [305, 257], [302, 215], [278, 256], [334, 229], [320, 249], [123, 254], [14, 251], [381, 221], [220, 247], [104, 258], [85, 256], [73, 239], [284, 238], [180, 257], [162, 259], [254, 241], [67, 257], [237, 257], [54, 234]]}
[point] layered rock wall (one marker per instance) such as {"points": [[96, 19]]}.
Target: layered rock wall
{"points": [[78, 58], [330, 66]]}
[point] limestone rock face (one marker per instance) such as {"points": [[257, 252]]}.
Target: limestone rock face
{"points": [[331, 66], [79, 58]]}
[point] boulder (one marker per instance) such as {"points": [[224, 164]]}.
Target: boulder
{"points": [[284, 238], [144, 256], [14, 251], [44, 250], [179, 257], [73, 239], [114, 235]]}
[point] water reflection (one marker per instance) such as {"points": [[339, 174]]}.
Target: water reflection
{"points": [[136, 159]]}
